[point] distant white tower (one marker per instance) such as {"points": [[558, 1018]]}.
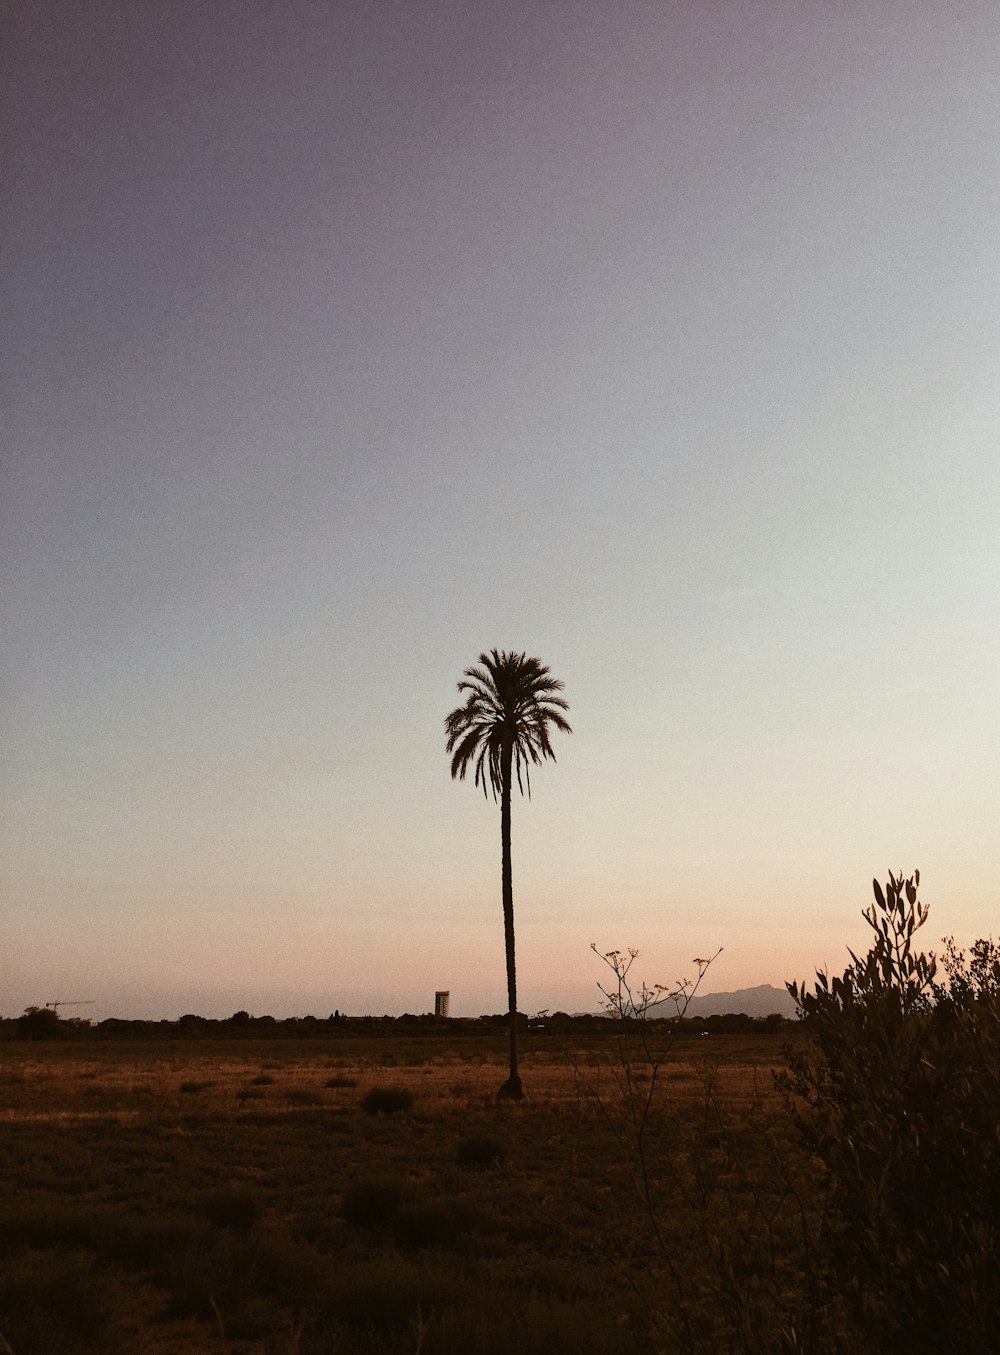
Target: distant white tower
{"points": [[441, 1001]]}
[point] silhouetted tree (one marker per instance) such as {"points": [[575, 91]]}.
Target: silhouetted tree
{"points": [[511, 703], [40, 1023]]}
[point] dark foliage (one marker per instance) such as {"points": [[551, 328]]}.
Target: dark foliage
{"points": [[236, 1207], [431, 1223], [387, 1101], [369, 1202], [60, 1305], [900, 1095], [480, 1153], [40, 1023], [303, 1096]]}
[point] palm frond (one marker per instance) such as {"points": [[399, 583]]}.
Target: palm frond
{"points": [[510, 699]]}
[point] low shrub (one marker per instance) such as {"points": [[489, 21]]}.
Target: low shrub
{"points": [[235, 1207], [259, 1119], [480, 1153], [303, 1096], [262, 1080], [341, 1080], [381, 1296], [288, 1269], [45, 1222], [193, 1088], [387, 1101], [151, 1242], [535, 1325], [369, 1202], [60, 1303], [430, 1223]]}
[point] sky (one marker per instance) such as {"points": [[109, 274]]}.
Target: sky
{"points": [[344, 341]]}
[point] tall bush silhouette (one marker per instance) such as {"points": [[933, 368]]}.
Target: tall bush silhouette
{"points": [[511, 703], [899, 1098], [40, 1023]]}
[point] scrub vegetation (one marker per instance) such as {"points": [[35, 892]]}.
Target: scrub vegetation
{"points": [[829, 1185]]}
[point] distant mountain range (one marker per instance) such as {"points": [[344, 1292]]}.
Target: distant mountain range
{"points": [[764, 1000]]}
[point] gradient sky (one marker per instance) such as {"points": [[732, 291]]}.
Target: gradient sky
{"points": [[345, 340]]}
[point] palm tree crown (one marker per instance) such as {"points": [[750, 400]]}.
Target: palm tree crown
{"points": [[511, 701]]}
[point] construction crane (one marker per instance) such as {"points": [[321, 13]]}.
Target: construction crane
{"points": [[78, 1002]]}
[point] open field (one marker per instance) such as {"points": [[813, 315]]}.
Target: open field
{"points": [[204, 1196]]}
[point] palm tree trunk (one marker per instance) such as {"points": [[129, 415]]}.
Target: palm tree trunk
{"points": [[511, 1089]]}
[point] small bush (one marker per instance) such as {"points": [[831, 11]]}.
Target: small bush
{"points": [[262, 1080], [288, 1269], [462, 1089], [303, 1096], [193, 1088], [430, 1223], [370, 1202], [341, 1080], [384, 1295], [60, 1304], [260, 1119], [480, 1153], [387, 1101], [44, 1222], [235, 1207], [153, 1241]]}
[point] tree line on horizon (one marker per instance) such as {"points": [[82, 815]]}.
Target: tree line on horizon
{"points": [[40, 1023]]}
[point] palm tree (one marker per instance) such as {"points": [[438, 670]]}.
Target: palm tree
{"points": [[503, 727]]}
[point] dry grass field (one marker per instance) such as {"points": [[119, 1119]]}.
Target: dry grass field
{"points": [[241, 1198]]}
